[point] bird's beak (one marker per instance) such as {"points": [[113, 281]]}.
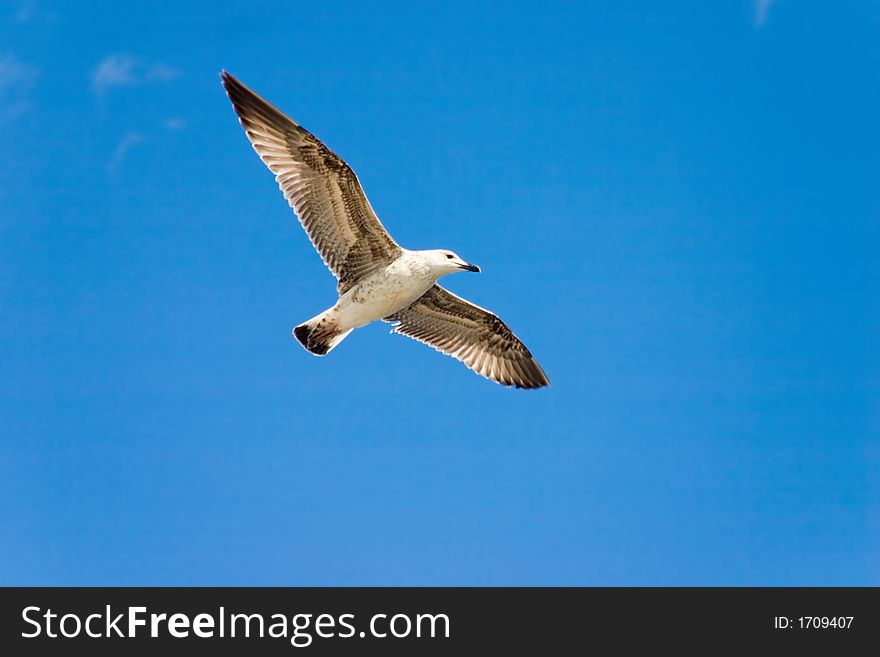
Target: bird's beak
{"points": [[471, 268]]}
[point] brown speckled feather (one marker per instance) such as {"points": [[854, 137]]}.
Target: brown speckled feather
{"points": [[471, 334], [321, 188]]}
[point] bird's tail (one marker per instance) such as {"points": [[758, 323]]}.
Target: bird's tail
{"points": [[320, 334]]}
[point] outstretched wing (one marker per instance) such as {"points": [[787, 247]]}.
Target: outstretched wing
{"points": [[471, 334], [321, 188]]}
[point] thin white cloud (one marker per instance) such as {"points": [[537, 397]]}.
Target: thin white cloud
{"points": [[114, 71], [160, 73], [29, 12], [761, 9], [24, 13], [123, 70], [16, 73], [174, 123], [129, 141], [16, 80]]}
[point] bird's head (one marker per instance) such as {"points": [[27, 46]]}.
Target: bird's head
{"points": [[447, 262]]}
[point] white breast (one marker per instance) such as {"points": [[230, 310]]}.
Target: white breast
{"points": [[384, 292]]}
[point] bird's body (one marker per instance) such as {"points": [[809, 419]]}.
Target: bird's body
{"points": [[378, 279], [387, 290], [379, 294]]}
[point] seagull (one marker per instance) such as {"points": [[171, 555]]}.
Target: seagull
{"points": [[378, 279]]}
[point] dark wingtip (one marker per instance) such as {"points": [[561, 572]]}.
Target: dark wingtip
{"points": [[231, 83], [535, 379], [532, 385], [228, 79], [544, 382]]}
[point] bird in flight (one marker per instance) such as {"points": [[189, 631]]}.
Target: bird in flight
{"points": [[378, 279]]}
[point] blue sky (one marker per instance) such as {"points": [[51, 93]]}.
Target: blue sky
{"points": [[675, 205]]}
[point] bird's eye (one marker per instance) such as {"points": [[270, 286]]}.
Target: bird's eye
{"points": [[450, 256]]}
